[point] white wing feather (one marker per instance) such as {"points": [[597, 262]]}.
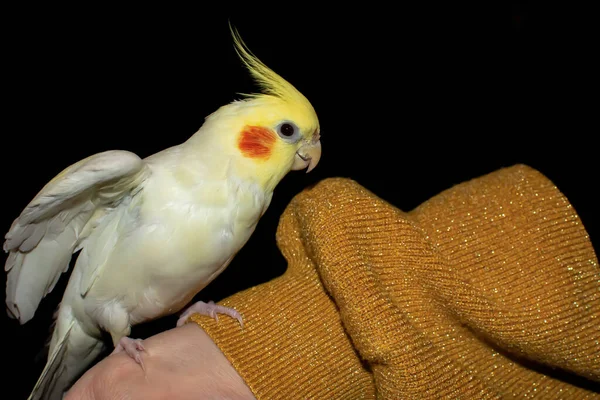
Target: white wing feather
{"points": [[50, 229]]}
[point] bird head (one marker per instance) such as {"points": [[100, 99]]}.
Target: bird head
{"points": [[271, 132]]}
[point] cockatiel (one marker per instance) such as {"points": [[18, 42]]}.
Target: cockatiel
{"points": [[153, 232]]}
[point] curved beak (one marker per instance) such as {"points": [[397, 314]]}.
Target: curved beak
{"points": [[307, 156]]}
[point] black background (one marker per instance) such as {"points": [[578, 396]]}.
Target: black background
{"points": [[412, 98]]}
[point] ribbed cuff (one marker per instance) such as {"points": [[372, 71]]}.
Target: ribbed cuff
{"points": [[481, 292]]}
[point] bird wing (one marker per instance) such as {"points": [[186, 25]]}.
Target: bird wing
{"points": [[48, 231]]}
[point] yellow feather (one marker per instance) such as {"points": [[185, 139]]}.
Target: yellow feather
{"points": [[271, 83]]}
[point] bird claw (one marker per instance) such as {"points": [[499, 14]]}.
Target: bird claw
{"points": [[209, 309], [132, 347]]}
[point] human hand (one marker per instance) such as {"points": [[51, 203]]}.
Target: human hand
{"points": [[181, 363]]}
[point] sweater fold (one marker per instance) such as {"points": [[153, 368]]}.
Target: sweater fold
{"points": [[489, 289]]}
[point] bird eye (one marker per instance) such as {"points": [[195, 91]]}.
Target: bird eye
{"points": [[288, 131]]}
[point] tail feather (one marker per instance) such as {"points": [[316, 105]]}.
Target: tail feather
{"points": [[72, 350], [53, 369]]}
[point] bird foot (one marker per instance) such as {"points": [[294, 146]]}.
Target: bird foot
{"points": [[209, 309], [132, 347]]}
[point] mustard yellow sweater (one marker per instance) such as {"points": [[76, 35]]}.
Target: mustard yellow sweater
{"points": [[490, 289]]}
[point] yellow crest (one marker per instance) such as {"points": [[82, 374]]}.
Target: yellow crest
{"points": [[271, 83]]}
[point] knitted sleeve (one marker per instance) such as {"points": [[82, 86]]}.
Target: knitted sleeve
{"points": [[489, 289]]}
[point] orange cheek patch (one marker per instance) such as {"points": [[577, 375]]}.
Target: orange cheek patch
{"points": [[256, 142]]}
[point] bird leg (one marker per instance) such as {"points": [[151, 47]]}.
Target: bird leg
{"points": [[209, 309], [132, 347]]}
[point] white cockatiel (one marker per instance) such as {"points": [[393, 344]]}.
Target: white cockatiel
{"points": [[153, 232]]}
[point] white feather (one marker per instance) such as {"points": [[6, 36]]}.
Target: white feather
{"points": [[152, 234], [48, 229]]}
